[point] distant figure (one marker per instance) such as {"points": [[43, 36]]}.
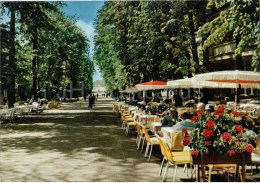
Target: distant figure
{"points": [[170, 119], [94, 98], [177, 98], [161, 107], [5, 100], [90, 102], [200, 106]]}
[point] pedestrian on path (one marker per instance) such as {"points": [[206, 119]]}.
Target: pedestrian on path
{"points": [[90, 102]]}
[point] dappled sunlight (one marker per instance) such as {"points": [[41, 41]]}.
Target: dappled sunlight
{"points": [[55, 111], [38, 124], [72, 147], [28, 134]]}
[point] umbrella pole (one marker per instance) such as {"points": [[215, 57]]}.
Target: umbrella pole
{"points": [[199, 96], [235, 99], [167, 94]]}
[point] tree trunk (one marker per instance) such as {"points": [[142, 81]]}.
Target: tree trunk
{"points": [[12, 65], [156, 67], [34, 65], [194, 51]]}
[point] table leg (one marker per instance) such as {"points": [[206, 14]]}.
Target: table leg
{"points": [[237, 173], [203, 172], [243, 173]]}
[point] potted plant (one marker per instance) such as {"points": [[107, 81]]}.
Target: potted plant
{"points": [[217, 133], [218, 139]]}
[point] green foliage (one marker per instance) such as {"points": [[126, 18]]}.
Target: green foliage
{"points": [[238, 20], [59, 48], [146, 41]]}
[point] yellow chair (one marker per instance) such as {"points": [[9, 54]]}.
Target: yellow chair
{"points": [[140, 135], [129, 124], [125, 116], [255, 155], [163, 151], [177, 139], [150, 141], [174, 158]]}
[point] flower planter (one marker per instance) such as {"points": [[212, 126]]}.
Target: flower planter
{"points": [[215, 158]]}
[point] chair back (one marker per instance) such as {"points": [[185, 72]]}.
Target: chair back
{"points": [[177, 139], [257, 149], [161, 145], [147, 136], [139, 128], [167, 150]]}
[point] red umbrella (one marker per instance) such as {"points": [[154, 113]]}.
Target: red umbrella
{"points": [[152, 85], [131, 89]]}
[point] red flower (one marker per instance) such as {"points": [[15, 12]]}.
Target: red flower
{"points": [[234, 113], [207, 143], [219, 111], [210, 124], [186, 141], [231, 152], [208, 133], [194, 119], [226, 136], [200, 112], [194, 153], [249, 148], [184, 132], [238, 129]]}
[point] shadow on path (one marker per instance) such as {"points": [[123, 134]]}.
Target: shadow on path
{"points": [[84, 146]]}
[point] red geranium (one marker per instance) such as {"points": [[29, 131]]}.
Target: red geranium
{"points": [[194, 153], [186, 141], [238, 129], [184, 132], [208, 133], [249, 148], [226, 136], [219, 111], [194, 119], [207, 143], [200, 112], [234, 113], [231, 152], [210, 124]]}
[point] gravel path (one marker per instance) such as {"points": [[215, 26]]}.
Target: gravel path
{"points": [[72, 144]]}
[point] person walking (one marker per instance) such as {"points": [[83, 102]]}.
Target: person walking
{"points": [[90, 102], [94, 99], [177, 98]]}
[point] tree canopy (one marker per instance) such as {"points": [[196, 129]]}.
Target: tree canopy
{"points": [[138, 41], [44, 50]]}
